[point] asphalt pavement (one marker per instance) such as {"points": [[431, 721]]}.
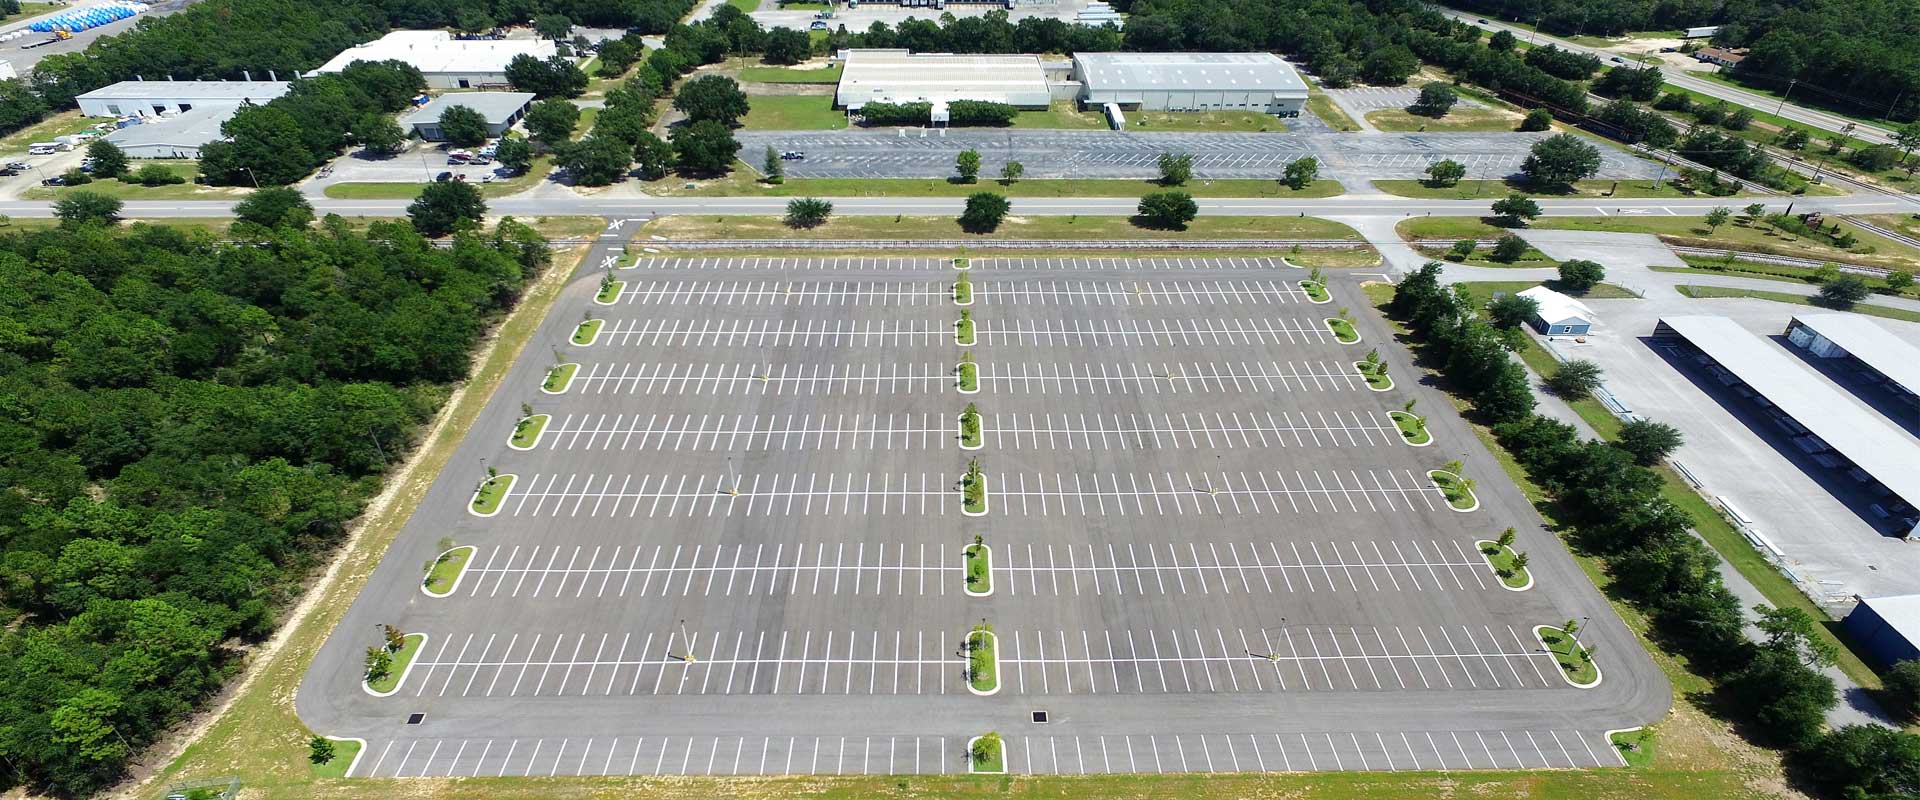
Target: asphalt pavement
{"points": [[736, 547]]}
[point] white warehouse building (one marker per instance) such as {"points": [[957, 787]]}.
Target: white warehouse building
{"points": [[898, 76], [166, 98], [447, 63], [1190, 82]]}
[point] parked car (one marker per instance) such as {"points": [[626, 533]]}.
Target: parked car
{"points": [[793, 155], [1482, 21], [18, 165], [54, 181], [817, 25], [443, 177], [1619, 60]]}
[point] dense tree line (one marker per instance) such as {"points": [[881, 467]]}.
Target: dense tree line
{"points": [[190, 426], [1612, 507]]}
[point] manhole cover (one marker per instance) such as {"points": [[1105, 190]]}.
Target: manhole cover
{"points": [[1040, 716]]}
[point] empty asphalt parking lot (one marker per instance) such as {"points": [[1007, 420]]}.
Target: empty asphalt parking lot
{"points": [[736, 547], [924, 153]]}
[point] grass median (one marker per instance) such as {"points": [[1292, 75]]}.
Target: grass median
{"points": [[1574, 660], [526, 432], [390, 680], [1343, 330], [983, 663], [979, 569], [1505, 565], [492, 492], [1413, 427], [587, 331], [445, 570]]}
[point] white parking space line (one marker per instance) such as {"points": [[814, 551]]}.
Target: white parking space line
{"points": [[708, 332], [940, 293], [1224, 493], [1052, 378], [857, 662], [927, 431], [900, 569]]}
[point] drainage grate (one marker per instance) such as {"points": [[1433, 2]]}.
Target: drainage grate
{"points": [[415, 719], [1040, 716]]}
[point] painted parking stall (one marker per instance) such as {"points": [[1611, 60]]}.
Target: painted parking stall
{"points": [[656, 332], [898, 754], [532, 571], [1180, 660], [743, 433], [1091, 378], [1037, 494], [809, 292]]}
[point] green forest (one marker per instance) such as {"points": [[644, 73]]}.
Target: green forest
{"points": [[190, 424]]}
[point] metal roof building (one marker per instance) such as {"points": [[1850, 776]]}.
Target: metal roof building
{"points": [[1559, 314], [898, 76], [179, 136], [501, 110], [1191, 82], [1832, 429], [154, 98], [1888, 627], [1882, 359], [447, 63]]}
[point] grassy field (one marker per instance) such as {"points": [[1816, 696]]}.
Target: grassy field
{"points": [[742, 181], [1357, 258], [747, 6], [794, 112], [766, 74], [1701, 265], [114, 187], [28, 10], [61, 124], [1015, 227], [1689, 231], [1320, 105], [1061, 115], [1459, 120], [1491, 190]]}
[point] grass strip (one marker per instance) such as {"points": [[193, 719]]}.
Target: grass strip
{"points": [[344, 751], [983, 667], [1573, 658], [1376, 376], [527, 431], [1343, 330], [1885, 312], [492, 492], [409, 647], [446, 569], [979, 569], [1635, 746], [559, 377], [586, 331], [970, 428], [1501, 558], [1458, 494], [1316, 291], [1413, 427], [609, 292]]}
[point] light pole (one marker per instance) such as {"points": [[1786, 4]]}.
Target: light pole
{"points": [[735, 478], [253, 177], [689, 657]]}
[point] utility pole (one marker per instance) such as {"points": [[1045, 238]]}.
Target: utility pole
{"points": [[1784, 95]]}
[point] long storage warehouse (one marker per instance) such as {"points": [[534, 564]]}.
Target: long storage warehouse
{"points": [[1874, 354], [1832, 429], [898, 76], [1190, 82], [1888, 627]]}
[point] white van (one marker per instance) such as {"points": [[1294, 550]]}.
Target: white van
{"points": [[43, 148]]}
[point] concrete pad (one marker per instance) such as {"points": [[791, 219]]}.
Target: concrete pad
{"points": [[1609, 249]]}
